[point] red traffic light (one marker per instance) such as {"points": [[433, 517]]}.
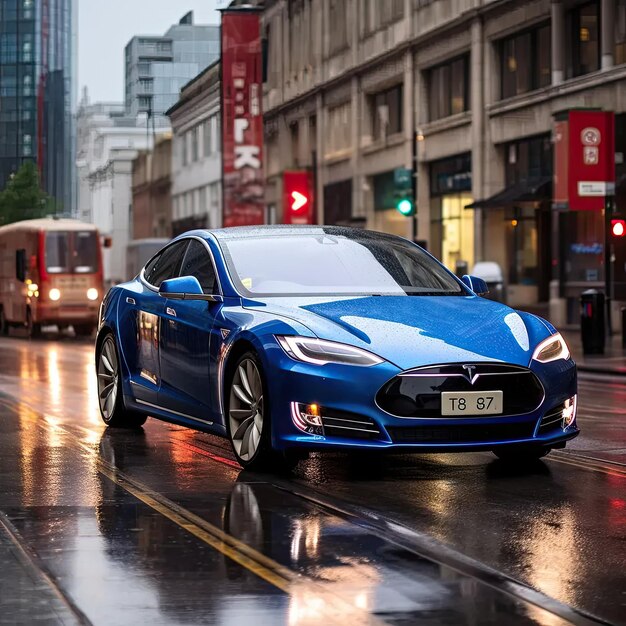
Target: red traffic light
{"points": [[297, 198], [618, 228]]}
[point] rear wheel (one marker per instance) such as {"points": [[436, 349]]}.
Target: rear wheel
{"points": [[110, 396], [521, 455]]}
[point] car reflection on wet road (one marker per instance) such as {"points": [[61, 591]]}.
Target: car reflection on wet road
{"points": [[159, 525]]}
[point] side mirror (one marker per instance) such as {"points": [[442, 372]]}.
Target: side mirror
{"points": [[475, 284], [20, 265], [185, 288]]}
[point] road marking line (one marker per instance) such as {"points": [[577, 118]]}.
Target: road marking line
{"points": [[334, 607]]}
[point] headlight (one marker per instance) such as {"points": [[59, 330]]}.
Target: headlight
{"points": [[551, 349], [54, 294], [92, 294], [321, 352]]}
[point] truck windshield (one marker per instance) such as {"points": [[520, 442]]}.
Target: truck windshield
{"points": [[72, 252]]}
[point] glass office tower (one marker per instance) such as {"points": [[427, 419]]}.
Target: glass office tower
{"points": [[37, 74]]}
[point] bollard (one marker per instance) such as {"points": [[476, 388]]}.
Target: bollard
{"points": [[592, 326]]}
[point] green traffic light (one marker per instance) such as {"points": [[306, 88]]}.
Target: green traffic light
{"points": [[405, 207]]}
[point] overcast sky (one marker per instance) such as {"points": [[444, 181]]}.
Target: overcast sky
{"points": [[106, 26]]}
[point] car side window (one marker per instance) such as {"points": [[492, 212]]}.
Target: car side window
{"points": [[166, 265], [197, 262]]}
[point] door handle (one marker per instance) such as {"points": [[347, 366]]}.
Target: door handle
{"points": [[130, 301], [170, 311]]}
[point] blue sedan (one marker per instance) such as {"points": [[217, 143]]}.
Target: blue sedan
{"points": [[292, 339]]}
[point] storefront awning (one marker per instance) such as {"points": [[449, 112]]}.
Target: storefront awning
{"points": [[536, 190]]}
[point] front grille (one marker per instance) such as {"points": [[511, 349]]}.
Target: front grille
{"points": [[463, 433], [349, 426], [417, 393], [551, 421]]}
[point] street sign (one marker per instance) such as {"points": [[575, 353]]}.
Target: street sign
{"points": [[403, 178]]}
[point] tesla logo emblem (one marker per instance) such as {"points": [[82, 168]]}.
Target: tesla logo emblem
{"points": [[469, 373], [298, 200]]}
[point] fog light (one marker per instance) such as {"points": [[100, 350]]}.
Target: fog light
{"points": [[569, 411], [308, 418], [92, 294], [55, 295]]}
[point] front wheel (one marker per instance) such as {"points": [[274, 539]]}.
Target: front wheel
{"points": [[110, 396], [248, 416], [521, 455]]}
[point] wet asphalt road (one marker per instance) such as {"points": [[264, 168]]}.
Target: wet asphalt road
{"points": [[160, 526]]}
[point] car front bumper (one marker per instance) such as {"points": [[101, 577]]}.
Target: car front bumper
{"points": [[346, 397]]}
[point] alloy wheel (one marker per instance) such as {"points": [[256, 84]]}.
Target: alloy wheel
{"points": [[107, 378], [245, 409]]}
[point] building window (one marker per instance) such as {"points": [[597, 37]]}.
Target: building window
{"points": [[583, 34], [528, 159], [144, 103], [27, 9], [620, 32], [339, 128], [525, 62], [377, 14], [449, 88], [183, 149], [144, 68], [145, 85], [195, 154], [337, 18], [387, 112], [207, 137], [294, 132]]}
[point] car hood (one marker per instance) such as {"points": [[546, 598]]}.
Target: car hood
{"points": [[416, 331]]}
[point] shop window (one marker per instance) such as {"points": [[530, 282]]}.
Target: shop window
{"points": [[525, 62], [583, 35], [387, 112], [449, 88], [339, 128]]}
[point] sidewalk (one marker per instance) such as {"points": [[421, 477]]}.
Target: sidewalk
{"points": [[612, 362]]}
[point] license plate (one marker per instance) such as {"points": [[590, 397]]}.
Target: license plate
{"points": [[472, 403]]}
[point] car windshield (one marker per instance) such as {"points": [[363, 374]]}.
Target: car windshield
{"points": [[72, 252], [360, 263]]}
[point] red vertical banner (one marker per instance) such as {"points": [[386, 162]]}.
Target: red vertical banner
{"points": [[584, 159], [242, 119]]}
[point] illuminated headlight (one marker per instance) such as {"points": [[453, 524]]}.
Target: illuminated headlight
{"points": [[92, 294], [321, 352], [54, 295], [551, 349], [569, 411]]}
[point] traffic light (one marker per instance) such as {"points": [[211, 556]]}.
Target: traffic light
{"points": [[405, 206], [618, 228], [403, 193], [298, 206]]}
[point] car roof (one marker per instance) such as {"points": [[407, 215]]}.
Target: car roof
{"points": [[246, 232]]}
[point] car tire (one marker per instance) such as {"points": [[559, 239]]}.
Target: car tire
{"points": [[4, 325], [521, 455], [110, 396], [248, 417]]}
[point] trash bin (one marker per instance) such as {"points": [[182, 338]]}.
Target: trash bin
{"points": [[592, 325]]}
